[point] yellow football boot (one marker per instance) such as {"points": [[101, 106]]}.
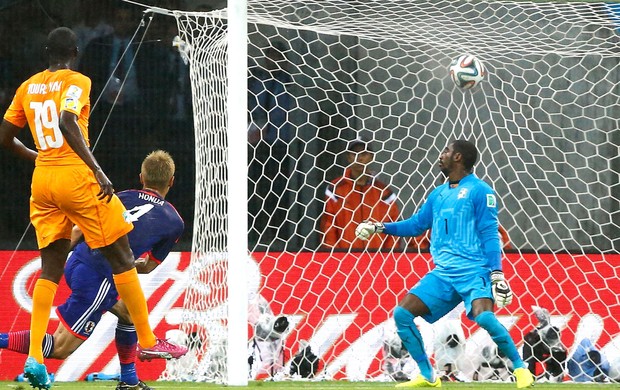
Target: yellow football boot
{"points": [[524, 378], [420, 381]]}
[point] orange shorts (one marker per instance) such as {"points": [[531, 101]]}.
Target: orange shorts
{"points": [[63, 196]]}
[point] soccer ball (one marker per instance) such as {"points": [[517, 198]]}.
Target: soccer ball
{"points": [[467, 71]]}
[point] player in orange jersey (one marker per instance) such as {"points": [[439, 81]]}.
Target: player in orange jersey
{"points": [[70, 188]]}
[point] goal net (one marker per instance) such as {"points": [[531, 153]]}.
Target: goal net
{"points": [[322, 73]]}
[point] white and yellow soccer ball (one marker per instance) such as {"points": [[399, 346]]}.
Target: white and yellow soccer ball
{"points": [[467, 71]]}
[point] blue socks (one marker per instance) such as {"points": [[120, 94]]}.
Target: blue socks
{"points": [[412, 340], [500, 335], [126, 344]]}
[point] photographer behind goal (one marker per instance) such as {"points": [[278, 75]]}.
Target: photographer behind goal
{"points": [[543, 345], [266, 349]]}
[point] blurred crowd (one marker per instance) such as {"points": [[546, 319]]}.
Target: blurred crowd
{"points": [[119, 44]]}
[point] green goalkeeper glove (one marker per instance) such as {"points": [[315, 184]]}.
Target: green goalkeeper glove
{"points": [[502, 294], [365, 229]]}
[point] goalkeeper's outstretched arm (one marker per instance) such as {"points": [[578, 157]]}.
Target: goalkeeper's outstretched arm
{"points": [[412, 227]]}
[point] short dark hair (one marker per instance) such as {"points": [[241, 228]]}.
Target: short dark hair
{"points": [[61, 43], [468, 150], [359, 145]]}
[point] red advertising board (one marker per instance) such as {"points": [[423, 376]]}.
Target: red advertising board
{"points": [[338, 301], [164, 288]]}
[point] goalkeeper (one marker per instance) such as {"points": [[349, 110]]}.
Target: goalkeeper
{"points": [[466, 251]]}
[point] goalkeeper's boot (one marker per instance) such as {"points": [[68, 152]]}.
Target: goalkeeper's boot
{"points": [[420, 381], [524, 378], [161, 350], [37, 374], [140, 386]]}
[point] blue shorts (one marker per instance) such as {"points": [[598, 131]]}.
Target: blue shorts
{"points": [[442, 292], [92, 294]]}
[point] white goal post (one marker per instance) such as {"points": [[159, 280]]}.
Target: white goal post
{"points": [[545, 119]]}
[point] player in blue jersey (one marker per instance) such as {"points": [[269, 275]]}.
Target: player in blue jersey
{"points": [[466, 251], [157, 227]]}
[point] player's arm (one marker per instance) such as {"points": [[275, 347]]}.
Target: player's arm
{"points": [[8, 139], [162, 248], [413, 226], [73, 135], [485, 206], [146, 264]]}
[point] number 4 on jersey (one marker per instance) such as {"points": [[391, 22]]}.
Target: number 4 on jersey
{"points": [[135, 213]]}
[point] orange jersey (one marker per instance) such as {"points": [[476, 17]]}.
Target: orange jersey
{"points": [[39, 101], [347, 204], [64, 190]]}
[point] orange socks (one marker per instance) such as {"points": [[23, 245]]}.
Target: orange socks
{"points": [[42, 300], [128, 287]]}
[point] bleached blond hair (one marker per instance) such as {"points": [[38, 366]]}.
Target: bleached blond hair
{"points": [[157, 169]]}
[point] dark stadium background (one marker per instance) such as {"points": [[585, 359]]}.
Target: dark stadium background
{"points": [[24, 25]]}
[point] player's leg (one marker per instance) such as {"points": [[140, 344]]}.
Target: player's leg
{"points": [[105, 228], [482, 312], [126, 344], [91, 295], [53, 257], [19, 341], [65, 343], [130, 291], [478, 298], [162, 350], [128, 286], [53, 229], [430, 299], [126, 341], [57, 346], [404, 314]]}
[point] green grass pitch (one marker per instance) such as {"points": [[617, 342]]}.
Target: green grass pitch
{"points": [[328, 385]]}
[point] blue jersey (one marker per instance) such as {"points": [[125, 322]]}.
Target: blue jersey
{"points": [[464, 224], [157, 227]]}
